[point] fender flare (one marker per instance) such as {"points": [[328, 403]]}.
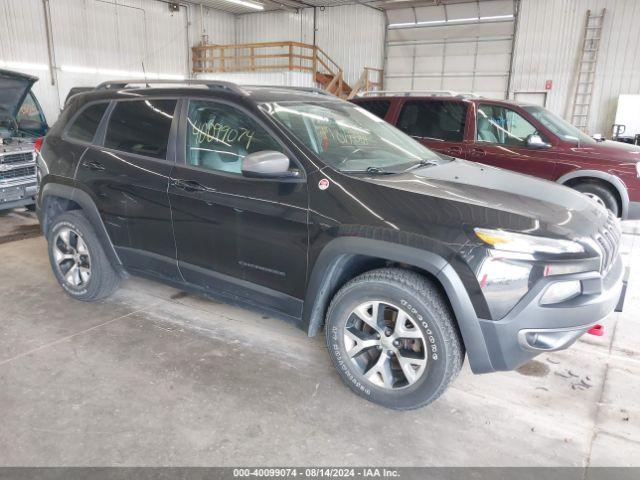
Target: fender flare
{"points": [[90, 210], [618, 184], [323, 283]]}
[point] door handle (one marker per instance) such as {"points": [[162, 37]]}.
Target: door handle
{"points": [[93, 165], [190, 186], [477, 152]]}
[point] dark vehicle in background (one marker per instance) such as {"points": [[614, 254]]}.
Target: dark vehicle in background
{"points": [[22, 122], [313, 209], [524, 138]]}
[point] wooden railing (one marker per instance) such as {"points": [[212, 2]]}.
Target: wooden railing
{"points": [[371, 79], [282, 56]]}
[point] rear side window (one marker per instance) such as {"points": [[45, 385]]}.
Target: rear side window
{"points": [[378, 107], [440, 120], [141, 127], [85, 125]]}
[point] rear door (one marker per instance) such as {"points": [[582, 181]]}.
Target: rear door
{"points": [[128, 176], [499, 138], [438, 124], [237, 236]]}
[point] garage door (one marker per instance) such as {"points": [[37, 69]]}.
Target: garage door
{"points": [[465, 47]]}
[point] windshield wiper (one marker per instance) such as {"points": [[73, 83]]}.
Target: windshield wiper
{"points": [[422, 163], [371, 170]]}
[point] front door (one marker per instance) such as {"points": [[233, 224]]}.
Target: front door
{"points": [[437, 124], [243, 238], [501, 140]]}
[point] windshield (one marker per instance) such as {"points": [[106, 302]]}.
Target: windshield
{"points": [[557, 125], [349, 138]]}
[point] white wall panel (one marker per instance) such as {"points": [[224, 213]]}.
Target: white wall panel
{"points": [[548, 45], [352, 35]]}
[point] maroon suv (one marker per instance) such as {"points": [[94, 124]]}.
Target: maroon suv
{"points": [[521, 137]]}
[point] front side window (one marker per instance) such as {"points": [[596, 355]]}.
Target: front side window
{"points": [[29, 116], [557, 125], [220, 136], [502, 126], [350, 138], [141, 127], [85, 125], [439, 120]]}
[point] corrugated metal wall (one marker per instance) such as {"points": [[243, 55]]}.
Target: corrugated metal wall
{"points": [[548, 45], [96, 40], [352, 35]]}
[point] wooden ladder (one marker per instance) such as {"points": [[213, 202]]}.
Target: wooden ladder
{"points": [[587, 70]]}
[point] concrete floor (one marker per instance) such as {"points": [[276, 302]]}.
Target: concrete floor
{"points": [[152, 376]]}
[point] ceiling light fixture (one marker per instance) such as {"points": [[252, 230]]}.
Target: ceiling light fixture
{"points": [[255, 6]]}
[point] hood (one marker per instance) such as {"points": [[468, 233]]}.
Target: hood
{"points": [[611, 150], [538, 206], [14, 87]]}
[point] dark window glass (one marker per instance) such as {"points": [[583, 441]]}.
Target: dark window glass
{"points": [[220, 136], [85, 125], [436, 119], [378, 107], [141, 127]]}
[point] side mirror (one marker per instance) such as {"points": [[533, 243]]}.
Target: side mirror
{"points": [[267, 164], [535, 141]]}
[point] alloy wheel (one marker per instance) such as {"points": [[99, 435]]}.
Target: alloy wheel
{"points": [[596, 198], [385, 345], [72, 257]]}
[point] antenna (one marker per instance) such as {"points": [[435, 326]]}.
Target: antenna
{"points": [[144, 72]]}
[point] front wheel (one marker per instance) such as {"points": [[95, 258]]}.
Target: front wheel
{"points": [[393, 338], [600, 194]]}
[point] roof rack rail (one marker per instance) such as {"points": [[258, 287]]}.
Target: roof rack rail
{"points": [[211, 84], [319, 91], [429, 93]]}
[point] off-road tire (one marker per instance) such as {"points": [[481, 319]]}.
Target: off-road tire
{"points": [[104, 280], [605, 194], [427, 306]]}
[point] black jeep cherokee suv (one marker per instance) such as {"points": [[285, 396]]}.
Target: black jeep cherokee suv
{"points": [[313, 209]]}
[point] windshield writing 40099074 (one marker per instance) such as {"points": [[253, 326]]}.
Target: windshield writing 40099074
{"points": [[212, 131]]}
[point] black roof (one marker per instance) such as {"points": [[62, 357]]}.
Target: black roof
{"points": [[253, 93]]}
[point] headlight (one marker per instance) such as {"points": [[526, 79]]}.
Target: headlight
{"points": [[522, 243]]}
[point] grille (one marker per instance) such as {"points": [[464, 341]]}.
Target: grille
{"points": [[18, 172], [17, 157], [608, 239]]}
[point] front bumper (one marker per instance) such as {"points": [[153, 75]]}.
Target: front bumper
{"points": [[13, 195], [531, 328]]}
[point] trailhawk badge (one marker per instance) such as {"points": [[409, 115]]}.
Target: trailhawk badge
{"points": [[323, 184]]}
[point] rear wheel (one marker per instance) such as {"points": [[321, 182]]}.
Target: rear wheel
{"points": [[78, 260], [600, 194], [393, 339]]}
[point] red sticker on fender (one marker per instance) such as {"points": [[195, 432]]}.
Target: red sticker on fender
{"points": [[323, 184]]}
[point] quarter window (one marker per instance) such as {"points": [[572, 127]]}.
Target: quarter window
{"points": [[439, 120], [85, 125], [141, 127], [220, 136], [502, 126]]}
